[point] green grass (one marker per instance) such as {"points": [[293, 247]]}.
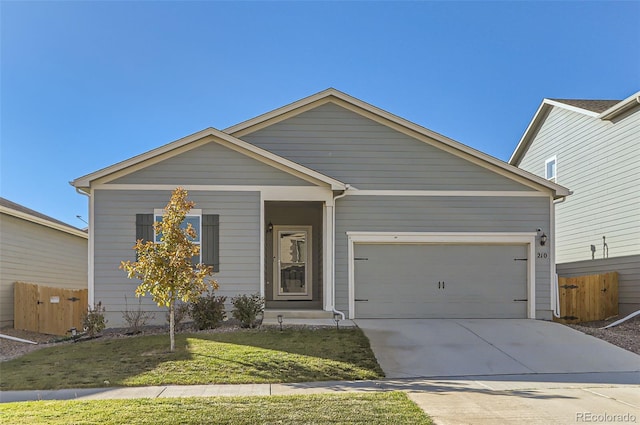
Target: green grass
{"points": [[248, 356], [355, 408]]}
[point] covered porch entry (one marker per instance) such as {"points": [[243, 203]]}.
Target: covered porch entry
{"points": [[294, 261]]}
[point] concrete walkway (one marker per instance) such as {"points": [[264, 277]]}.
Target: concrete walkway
{"points": [[459, 372], [517, 399]]}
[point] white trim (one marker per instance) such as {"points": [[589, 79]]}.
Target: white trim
{"points": [[327, 256], [552, 253], [620, 107], [571, 108], [92, 239], [208, 135], [450, 193], [263, 241], [308, 268], [44, 222], [553, 159], [269, 193], [483, 238], [400, 124]]}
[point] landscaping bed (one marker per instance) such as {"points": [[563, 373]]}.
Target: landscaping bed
{"points": [[625, 335]]}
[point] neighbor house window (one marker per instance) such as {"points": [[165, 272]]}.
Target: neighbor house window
{"points": [[207, 227], [195, 219], [551, 168]]}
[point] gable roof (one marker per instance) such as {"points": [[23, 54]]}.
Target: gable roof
{"points": [[396, 122], [589, 105], [19, 211], [230, 137], [205, 136], [597, 109]]}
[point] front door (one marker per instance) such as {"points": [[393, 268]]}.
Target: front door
{"points": [[292, 262]]}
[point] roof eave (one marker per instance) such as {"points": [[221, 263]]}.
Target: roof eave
{"points": [[84, 183], [621, 107]]}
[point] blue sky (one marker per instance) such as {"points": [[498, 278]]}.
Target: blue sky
{"points": [[84, 85]]}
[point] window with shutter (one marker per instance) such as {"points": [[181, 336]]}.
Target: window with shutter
{"points": [[207, 227]]}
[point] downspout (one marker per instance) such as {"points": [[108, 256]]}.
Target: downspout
{"points": [[90, 288], [333, 253], [556, 295]]}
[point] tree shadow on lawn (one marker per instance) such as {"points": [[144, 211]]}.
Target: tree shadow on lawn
{"points": [[247, 356]]}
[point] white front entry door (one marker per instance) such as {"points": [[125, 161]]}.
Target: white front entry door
{"points": [[292, 262]]}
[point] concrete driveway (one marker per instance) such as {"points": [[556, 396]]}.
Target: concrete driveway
{"points": [[496, 371], [410, 348]]}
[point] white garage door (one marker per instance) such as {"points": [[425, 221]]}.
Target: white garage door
{"points": [[440, 281]]}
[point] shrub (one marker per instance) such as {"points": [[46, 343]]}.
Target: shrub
{"points": [[180, 314], [208, 311], [136, 319], [246, 309], [93, 321]]}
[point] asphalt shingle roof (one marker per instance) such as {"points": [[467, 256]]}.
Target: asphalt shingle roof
{"points": [[597, 106], [17, 207]]}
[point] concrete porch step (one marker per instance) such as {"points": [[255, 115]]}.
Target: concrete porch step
{"points": [[297, 314]]}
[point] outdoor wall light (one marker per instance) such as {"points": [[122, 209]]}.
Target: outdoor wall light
{"points": [[543, 239], [542, 236], [270, 227], [280, 317]]}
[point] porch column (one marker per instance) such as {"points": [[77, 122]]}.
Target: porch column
{"points": [[328, 257]]}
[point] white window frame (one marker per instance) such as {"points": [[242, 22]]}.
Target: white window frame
{"points": [[159, 213], [554, 160]]}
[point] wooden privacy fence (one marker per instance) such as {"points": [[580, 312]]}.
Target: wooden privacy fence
{"points": [[48, 310], [588, 298]]}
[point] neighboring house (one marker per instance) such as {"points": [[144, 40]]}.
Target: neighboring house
{"points": [[38, 249], [593, 148], [331, 203]]}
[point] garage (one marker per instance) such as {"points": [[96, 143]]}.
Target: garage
{"points": [[429, 280]]}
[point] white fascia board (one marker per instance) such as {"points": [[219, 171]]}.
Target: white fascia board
{"points": [[572, 108], [407, 127], [621, 107], [190, 142], [268, 193], [442, 237], [538, 118], [449, 193], [56, 226]]}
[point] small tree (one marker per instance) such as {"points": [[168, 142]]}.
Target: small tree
{"points": [[166, 268]]}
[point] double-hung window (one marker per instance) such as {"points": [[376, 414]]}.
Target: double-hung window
{"points": [[195, 219], [551, 169], [207, 229]]}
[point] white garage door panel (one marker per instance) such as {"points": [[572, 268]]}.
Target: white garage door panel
{"points": [[440, 281]]}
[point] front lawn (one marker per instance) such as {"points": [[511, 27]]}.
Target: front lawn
{"points": [[248, 356], [354, 408]]}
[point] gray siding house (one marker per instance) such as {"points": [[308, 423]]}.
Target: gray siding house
{"points": [[330, 204], [38, 249], [592, 147]]}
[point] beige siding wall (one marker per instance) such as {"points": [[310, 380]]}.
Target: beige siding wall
{"points": [[34, 253], [600, 162]]}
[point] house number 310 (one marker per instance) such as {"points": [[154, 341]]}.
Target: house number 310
{"points": [[542, 255]]}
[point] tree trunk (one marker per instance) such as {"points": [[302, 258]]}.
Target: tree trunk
{"points": [[172, 325]]}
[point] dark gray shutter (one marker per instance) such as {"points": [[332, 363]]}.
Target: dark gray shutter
{"points": [[211, 241], [144, 227]]}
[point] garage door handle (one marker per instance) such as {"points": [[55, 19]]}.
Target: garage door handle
{"points": [[521, 299], [360, 299]]}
